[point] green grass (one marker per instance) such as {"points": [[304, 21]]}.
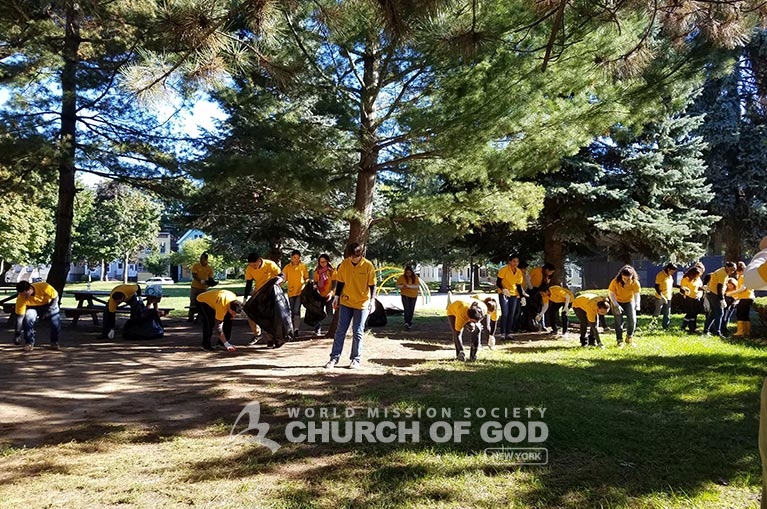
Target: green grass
{"points": [[669, 424]]}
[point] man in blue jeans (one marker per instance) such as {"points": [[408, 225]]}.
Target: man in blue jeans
{"points": [[36, 300], [354, 300]]}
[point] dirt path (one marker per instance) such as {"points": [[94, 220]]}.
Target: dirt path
{"points": [[169, 385]]}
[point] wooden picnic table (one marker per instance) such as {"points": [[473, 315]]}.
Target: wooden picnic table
{"points": [[94, 302]]}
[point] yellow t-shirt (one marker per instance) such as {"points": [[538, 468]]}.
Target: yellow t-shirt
{"points": [[203, 274], [692, 286], [588, 302], [44, 293], [357, 280], [127, 290], [460, 310], [536, 277], [219, 300], [665, 282], [624, 293], [718, 277], [747, 293], [404, 290], [510, 279], [480, 298], [559, 294], [295, 276], [261, 275]]}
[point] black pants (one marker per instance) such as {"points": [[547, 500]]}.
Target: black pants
{"points": [[209, 323]]}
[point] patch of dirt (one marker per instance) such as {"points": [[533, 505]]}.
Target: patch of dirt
{"points": [[93, 387]]}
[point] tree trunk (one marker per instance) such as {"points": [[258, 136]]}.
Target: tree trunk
{"points": [[125, 269], [731, 237], [359, 224], [445, 285], [62, 251], [554, 253]]}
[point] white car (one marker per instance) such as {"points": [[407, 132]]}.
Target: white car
{"points": [[165, 280]]}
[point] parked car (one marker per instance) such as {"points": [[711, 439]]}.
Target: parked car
{"points": [[165, 280]]}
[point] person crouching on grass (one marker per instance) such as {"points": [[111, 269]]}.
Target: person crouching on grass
{"points": [[472, 318], [217, 308], [588, 307]]}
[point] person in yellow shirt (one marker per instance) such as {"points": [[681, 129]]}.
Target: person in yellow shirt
{"points": [[691, 288], [745, 297], [472, 318], [121, 293], [624, 295], [715, 297], [354, 301], [556, 300], [664, 285], [36, 300], [409, 285], [588, 307], [257, 273], [218, 308], [202, 279], [296, 275], [510, 284]]}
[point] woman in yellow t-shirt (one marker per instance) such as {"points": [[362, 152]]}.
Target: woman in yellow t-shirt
{"points": [[691, 289], [624, 295], [408, 284]]}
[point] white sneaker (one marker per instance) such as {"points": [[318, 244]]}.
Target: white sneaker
{"points": [[332, 363], [111, 334], [28, 347], [355, 364], [491, 342]]}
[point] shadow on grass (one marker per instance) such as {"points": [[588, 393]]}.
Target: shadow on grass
{"points": [[621, 427], [619, 430]]}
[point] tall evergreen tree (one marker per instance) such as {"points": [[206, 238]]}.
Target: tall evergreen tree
{"points": [[735, 130]]}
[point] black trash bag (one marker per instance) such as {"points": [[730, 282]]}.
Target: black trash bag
{"points": [[211, 282], [314, 304], [270, 309], [147, 325], [378, 317]]}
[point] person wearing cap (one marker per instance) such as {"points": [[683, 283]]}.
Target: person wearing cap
{"points": [[664, 284], [121, 293], [218, 308], [202, 277], [36, 300]]}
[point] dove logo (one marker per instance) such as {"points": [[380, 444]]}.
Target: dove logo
{"points": [[253, 411]]}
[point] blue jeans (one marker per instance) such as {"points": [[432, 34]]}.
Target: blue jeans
{"points": [[509, 307], [626, 310], [714, 317], [663, 310], [347, 316], [28, 322]]}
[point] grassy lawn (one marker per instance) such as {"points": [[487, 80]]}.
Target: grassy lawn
{"points": [[669, 424]]}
